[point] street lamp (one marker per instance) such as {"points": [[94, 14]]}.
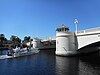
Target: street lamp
{"points": [[76, 23]]}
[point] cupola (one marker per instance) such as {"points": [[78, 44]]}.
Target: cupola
{"points": [[62, 28]]}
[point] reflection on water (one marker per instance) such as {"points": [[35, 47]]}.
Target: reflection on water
{"points": [[47, 63], [66, 65], [89, 65]]}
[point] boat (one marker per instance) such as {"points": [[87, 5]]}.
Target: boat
{"points": [[19, 52]]}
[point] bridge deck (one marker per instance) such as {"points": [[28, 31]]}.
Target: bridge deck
{"points": [[89, 31]]}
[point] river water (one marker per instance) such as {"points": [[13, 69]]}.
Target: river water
{"points": [[47, 63]]}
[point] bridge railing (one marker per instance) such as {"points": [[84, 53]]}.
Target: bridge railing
{"points": [[92, 30], [48, 38]]}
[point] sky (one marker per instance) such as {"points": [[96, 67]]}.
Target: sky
{"points": [[40, 18]]}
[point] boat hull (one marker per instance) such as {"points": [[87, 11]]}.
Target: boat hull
{"points": [[24, 53], [20, 52]]}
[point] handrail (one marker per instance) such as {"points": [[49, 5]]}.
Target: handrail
{"points": [[89, 30]]}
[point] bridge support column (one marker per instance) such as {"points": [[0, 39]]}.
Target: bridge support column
{"points": [[65, 42]]}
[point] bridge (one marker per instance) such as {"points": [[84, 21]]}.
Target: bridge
{"points": [[49, 43], [88, 37], [71, 43], [43, 44]]}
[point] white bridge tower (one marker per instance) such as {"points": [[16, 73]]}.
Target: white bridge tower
{"points": [[65, 41]]}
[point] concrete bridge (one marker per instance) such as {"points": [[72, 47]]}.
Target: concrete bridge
{"points": [[47, 43], [88, 37], [71, 43]]}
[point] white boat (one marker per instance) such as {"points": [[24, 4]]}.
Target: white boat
{"points": [[19, 52]]}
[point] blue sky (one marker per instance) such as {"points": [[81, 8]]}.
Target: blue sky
{"points": [[40, 18]]}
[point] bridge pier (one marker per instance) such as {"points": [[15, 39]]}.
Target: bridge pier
{"points": [[65, 42]]}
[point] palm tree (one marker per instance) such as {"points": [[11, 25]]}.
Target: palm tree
{"points": [[25, 41], [16, 41], [2, 39]]}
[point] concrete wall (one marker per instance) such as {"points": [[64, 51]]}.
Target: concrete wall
{"points": [[65, 43]]}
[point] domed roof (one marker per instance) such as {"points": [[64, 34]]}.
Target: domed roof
{"points": [[63, 26]]}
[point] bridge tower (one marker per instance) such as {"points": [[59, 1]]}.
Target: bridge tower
{"points": [[65, 41], [36, 43]]}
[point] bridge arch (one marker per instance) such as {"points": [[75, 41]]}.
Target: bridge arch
{"points": [[88, 37], [94, 47]]}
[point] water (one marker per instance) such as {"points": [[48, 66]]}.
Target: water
{"points": [[46, 63]]}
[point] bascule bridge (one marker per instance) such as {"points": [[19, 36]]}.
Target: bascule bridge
{"points": [[71, 43]]}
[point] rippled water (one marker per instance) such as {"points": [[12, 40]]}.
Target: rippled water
{"points": [[46, 63]]}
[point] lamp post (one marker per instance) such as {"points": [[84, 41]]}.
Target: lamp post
{"points": [[76, 23]]}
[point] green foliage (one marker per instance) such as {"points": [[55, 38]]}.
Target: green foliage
{"points": [[14, 41]]}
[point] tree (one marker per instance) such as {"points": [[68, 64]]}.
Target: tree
{"points": [[2, 39], [16, 41], [26, 39]]}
